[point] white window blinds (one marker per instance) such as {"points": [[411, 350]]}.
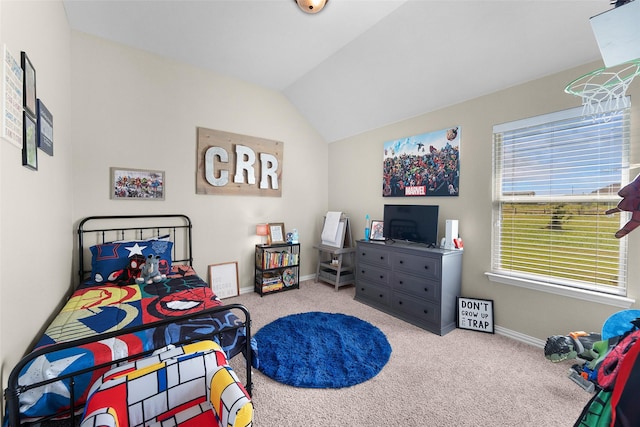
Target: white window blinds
{"points": [[554, 178]]}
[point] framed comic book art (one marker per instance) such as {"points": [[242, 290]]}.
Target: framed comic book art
{"points": [[377, 230], [423, 165], [136, 184]]}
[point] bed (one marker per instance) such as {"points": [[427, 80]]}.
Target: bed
{"points": [[114, 317]]}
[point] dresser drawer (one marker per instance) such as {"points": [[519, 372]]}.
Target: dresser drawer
{"points": [[417, 286], [411, 282], [424, 266], [366, 272], [421, 311], [378, 295], [371, 255]]}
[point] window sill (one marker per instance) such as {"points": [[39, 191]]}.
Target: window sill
{"points": [[598, 297]]}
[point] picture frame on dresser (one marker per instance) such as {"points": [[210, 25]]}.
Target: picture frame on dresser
{"points": [[377, 229]]}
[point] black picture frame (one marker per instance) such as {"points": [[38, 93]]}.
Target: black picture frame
{"points": [[377, 228], [475, 314], [29, 144], [28, 84], [45, 128]]}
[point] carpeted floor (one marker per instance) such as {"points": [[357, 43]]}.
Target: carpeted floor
{"points": [[465, 378]]}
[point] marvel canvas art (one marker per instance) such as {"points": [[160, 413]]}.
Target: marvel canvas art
{"points": [[423, 165]]}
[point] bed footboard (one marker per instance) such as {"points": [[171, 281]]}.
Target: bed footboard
{"points": [[14, 390]]}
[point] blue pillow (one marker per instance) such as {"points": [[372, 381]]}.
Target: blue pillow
{"points": [[110, 259]]}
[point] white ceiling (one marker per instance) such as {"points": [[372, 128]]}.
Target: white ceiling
{"points": [[358, 64]]}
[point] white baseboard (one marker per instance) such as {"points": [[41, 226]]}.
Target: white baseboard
{"points": [[536, 342]]}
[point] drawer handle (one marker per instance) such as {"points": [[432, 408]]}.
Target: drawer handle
{"points": [[401, 282], [426, 289], [426, 267], [364, 254], [400, 302], [426, 311], [381, 295], [381, 276], [401, 262], [362, 289], [382, 258]]}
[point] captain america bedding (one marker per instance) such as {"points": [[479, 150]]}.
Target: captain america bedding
{"points": [[97, 308], [113, 299]]}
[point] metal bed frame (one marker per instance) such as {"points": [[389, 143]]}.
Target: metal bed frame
{"points": [[179, 228]]}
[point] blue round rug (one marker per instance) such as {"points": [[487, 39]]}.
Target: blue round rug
{"points": [[321, 350]]}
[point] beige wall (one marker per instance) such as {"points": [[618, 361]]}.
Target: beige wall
{"points": [[35, 221], [137, 110], [358, 161], [121, 107]]}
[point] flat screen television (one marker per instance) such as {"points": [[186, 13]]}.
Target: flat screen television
{"points": [[413, 223]]}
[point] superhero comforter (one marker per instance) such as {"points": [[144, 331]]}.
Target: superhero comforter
{"points": [[94, 309]]}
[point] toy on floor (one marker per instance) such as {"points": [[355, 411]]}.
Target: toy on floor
{"points": [[606, 367], [576, 344], [581, 375], [590, 348]]}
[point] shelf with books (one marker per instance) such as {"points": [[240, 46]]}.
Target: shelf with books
{"points": [[277, 267]]}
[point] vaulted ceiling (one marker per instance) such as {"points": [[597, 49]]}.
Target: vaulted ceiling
{"points": [[358, 64]]}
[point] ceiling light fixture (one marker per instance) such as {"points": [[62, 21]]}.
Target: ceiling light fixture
{"points": [[311, 6]]}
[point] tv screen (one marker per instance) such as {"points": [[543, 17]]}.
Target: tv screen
{"points": [[413, 223]]}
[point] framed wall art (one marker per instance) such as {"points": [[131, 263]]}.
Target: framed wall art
{"points": [[45, 128], [137, 184], [29, 149], [29, 85], [276, 232], [223, 279], [475, 314], [422, 165], [12, 99]]}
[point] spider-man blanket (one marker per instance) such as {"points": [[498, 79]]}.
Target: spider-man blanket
{"points": [[95, 309]]}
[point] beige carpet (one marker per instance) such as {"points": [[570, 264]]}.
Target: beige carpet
{"points": [[465, 378]]}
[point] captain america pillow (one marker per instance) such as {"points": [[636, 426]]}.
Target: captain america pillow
{"points": [[110, 261]]}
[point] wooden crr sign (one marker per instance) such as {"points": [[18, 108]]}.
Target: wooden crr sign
{"points": [[234, 164]]}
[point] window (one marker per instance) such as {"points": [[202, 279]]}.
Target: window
{"points": [[555, 176]]}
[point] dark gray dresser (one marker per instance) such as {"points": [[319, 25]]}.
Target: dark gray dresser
{"points": [[410, 281]]}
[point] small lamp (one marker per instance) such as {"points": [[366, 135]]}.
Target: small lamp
{"points": [[311, 6], [263, 230]]}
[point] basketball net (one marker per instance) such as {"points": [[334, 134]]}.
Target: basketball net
{"points": [[603, 90]]}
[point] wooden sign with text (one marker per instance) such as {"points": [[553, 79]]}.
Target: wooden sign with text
{"points": [[234, 164]]}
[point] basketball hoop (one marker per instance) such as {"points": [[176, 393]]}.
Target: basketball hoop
{"points": [[603, 90]]}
